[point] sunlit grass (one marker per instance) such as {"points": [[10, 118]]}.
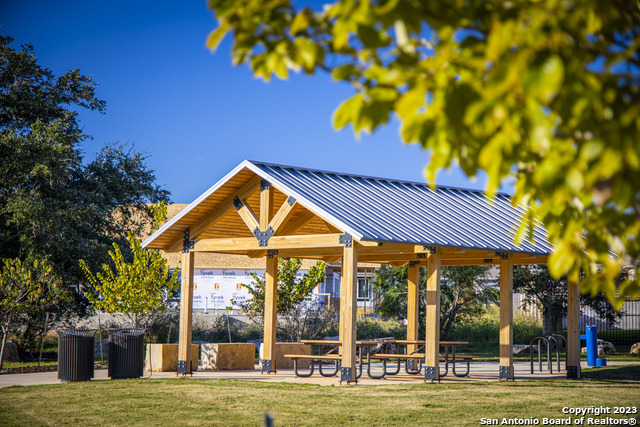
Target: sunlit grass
{"points": [[227, 402]]}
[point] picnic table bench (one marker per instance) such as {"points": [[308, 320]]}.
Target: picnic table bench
{"points": [[319, 359], [412, 369]]}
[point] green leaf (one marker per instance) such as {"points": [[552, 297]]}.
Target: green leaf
{"points": [[348, 111], [544, 78], [344, 72], [300, 22], [216, 36], [371, 37]]}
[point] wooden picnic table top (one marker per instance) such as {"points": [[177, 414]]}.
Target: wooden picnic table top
{"points": [[333, 342], [422, 342], [372, 342]]}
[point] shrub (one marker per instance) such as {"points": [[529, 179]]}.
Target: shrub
{"points": [[372, 328]]}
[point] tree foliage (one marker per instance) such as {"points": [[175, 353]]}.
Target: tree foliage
{"points": [[291, 290], [543, 93], [54, 204], [26, 288], [138, 289], [460, 295], [550, 294]]}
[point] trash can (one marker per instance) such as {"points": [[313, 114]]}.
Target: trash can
{"points": [[75, 354], [126, 353]]}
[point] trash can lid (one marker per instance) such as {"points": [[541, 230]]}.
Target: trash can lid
{"points": [[77, 332], [126, 331]]}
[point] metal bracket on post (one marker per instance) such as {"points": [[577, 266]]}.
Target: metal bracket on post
{"points": [[506, 373], [573, 372], [487, 260], [264, 184], [271, 253], [266, 366], [263, 236], [430, 249], [421, 255], [291, 200], [502, 255], [182, 367], [413, 263], [345, 375], [187, 243], [237, 203], [430, 373], [346, 240]]}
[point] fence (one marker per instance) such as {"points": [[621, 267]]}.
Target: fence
{"points": [[624, 332]]}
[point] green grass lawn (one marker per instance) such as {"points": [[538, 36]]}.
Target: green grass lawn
{"points": [[228, 402]]}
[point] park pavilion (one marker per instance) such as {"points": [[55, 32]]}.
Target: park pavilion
{"points": [[269, 211]]}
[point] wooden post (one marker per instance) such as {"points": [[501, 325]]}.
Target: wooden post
{"points": [[413, 298], [506, 317], [266, 204], [342, 291], [270, 314], [432, 343], [349, 306], [573, 329], [186, 313]]}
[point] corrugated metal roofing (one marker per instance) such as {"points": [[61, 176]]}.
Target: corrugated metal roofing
{"points": [[387, 210]]}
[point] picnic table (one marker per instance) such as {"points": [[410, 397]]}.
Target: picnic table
{"points": [[449, 348], [333, 355]]}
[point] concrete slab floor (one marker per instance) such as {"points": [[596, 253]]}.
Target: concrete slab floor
{"points": [[480, 371]]}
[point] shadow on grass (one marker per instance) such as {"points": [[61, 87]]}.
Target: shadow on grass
{"points": [[620, 374]]}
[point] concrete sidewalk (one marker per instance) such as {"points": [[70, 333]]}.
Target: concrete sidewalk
{"points": [[480, 371]]}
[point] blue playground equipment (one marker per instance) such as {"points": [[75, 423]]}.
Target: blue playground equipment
{"points": [[591, 336]]}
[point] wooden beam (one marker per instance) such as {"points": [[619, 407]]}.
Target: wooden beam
{"points": [[528, 259], [398, 263], [506, 318], [227, 204], [331, 259], [349, 300], [413, 299], [283, 214], [186, 312], [471, 261], [308, 241], [266, 204], [311, 252], [296, 224], [270, 315], [432, 343], [368, 243], [389, 257], [247, 214], [573, 329]]}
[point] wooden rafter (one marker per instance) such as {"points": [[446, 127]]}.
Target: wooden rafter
{"points": [[199, 227], [283, 213], [247, 214]]}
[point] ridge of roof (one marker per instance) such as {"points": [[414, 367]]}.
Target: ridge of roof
{"points": [[393, 180]]}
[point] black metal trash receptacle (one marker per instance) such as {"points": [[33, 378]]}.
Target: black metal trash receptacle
{"points": [[75, 354], [126, 353]]}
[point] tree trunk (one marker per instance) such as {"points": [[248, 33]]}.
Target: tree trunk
{"points": [[551, 323], [4, 340]]}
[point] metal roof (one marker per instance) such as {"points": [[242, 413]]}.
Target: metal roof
{"points": [[387, 210]]}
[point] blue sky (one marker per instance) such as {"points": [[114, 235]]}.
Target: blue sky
{"points": [[189, 110]]}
